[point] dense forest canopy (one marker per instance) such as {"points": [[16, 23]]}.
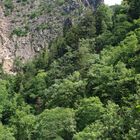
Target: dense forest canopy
{"points": [[85, 86]]}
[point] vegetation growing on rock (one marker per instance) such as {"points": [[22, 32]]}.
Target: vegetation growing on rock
{"points": [[84, 86]]}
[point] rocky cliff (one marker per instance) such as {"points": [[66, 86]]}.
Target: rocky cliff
{"points": [[28, 26], [6, 45]]}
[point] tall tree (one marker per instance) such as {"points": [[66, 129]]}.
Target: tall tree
{"points": [[103, 17]]}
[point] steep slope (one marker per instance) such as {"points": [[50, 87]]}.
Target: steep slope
{"points": [[85, 87], [6, 45], [30, 25]]}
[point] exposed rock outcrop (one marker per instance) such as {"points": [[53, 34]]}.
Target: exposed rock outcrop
{"points": [[6, 45], [26, 27]]}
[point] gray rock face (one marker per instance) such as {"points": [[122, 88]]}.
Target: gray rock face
{"points": [[26, 27], [6, 45]]}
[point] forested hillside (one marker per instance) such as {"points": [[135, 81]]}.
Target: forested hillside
{"points": [[84, 86]]}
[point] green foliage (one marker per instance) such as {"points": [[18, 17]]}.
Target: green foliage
{"points": [[86, 27], [85, 54], [92, 132], [104, 79], [9, 6], [23, 124], [5, 133], [46, 7], [33, 90], [42, 26], [67, 93], [102, 40], [20, 31], [3, 95], [103, 19], [58, 48], [58, 123], [134, 10], [120, 30], [89, 110], [60, 2], [84, 86], [22, 0], [34, 14], [110, 126]]}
